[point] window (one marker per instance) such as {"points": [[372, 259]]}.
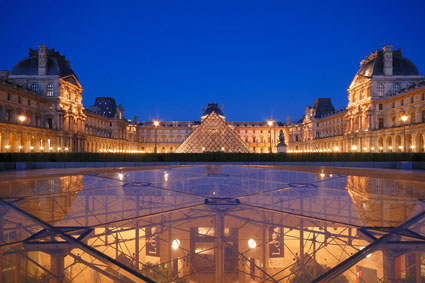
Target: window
{"points": [[423, 115], [50, 90], [396, 88], [411, 99], [9, 97], [317, 134], [19, 100], [29, 102], [393, 121], [296, 137], [393, 105], [423, 96], [35, 87], [402, 102], [49, 123], [381, 90], [380, 123], [7, 115], [381, 107]]}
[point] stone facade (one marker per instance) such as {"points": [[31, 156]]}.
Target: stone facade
{"points": [[44, 90], [386, 88]]}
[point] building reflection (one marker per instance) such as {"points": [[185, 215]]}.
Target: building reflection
{"points": [[293, 234]]}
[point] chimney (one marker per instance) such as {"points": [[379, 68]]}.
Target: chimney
{"points": [[42, 60], [388, 60]]}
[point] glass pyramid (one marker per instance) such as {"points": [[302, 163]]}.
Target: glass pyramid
{"points": [[213, 135]]}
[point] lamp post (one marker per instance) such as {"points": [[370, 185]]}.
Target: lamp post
{"points": [[22, 118], [404, 119], [270, 124], [156, 124]]}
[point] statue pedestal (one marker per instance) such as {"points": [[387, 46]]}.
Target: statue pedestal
{"points": [[281, 148]]}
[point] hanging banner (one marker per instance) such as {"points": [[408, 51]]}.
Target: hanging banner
{"points": [[152, 245], [276, 248]]}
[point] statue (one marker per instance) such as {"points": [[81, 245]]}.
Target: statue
{"points": [[281, 146]]}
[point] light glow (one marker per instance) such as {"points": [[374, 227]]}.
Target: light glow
{"points": [[270, 123], [404, 118], [22, 118], [354, 147], [175, 244], [156, 123], [252, 243], [336, 148]]}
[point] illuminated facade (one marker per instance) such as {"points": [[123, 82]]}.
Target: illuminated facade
{"points": [[41, 110], [385, 112]]}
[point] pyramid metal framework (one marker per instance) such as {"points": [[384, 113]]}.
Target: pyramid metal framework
{"points": [[213, 135]]}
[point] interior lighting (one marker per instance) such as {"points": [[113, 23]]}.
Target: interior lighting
{"points": [[166, 176], [120, 176], [252, 243], [175, 244]]}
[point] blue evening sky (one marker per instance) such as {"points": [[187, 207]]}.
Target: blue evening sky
{"points": [[258, 58]]}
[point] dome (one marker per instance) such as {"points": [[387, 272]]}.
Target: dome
{"points": [[56, 65], [212, 107], [374, 65]]}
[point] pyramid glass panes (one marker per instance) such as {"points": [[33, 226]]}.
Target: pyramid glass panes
{"points": [[213, 135]]}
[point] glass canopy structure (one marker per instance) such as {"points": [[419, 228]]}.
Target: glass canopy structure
{"points": [[213, 135], [211, 223]]}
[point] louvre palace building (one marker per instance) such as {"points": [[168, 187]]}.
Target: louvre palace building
{"points": [[41, 110]]}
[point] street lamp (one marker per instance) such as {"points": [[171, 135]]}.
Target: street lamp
{"points": [[270, 124], [156, 124], [21, 118], [404, 119]]}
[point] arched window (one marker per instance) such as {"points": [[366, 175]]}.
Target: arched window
{"points": [[50, 90], [396, 88], [381, 90], [35, 87]]}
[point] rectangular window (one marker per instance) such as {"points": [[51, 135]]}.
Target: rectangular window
{"points": [[393, 105], [423, 116], [19, 100], [29, 102], [411, 99], [317, 134], [9, 97], [393, 121], [402, 102], [381, 107], [49, 123], [380, 123], [7, 118]]}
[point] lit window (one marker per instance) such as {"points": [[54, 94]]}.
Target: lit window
{"points": [[381, 90], [50, 90], [35, 87], [396, 88]]}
